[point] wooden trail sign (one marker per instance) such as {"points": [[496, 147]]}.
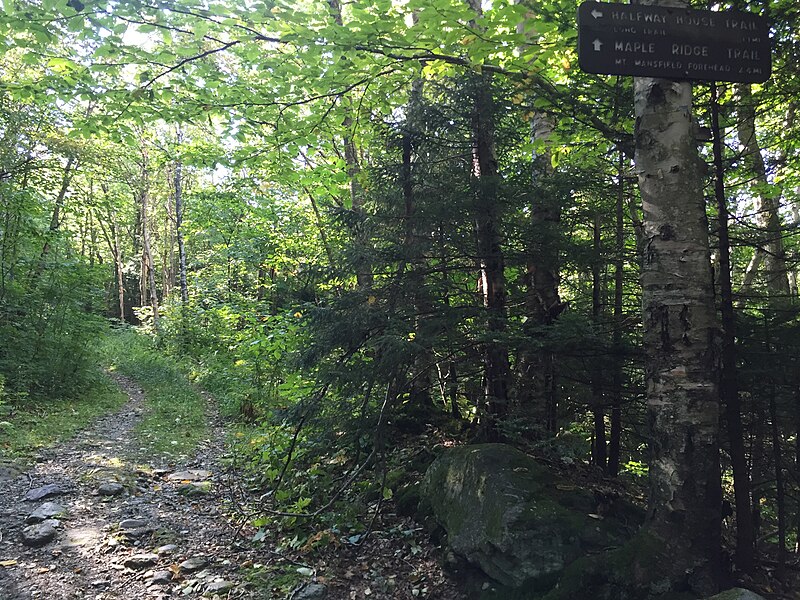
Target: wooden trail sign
{"points": [[673, 43]]}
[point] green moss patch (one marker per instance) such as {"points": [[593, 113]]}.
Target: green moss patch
{"points": [[512, 517], [629, 572]]}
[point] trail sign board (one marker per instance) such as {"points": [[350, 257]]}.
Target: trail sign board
{"points": [[673, 43]]}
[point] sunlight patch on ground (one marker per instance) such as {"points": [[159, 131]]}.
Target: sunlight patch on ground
{"points": [[81, 536], [101, 460]]}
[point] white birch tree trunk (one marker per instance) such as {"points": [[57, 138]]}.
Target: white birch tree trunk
{"points": [[680, 326]]}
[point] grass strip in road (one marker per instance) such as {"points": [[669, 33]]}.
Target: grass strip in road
{"points": [[27, 425], [175, 420]]}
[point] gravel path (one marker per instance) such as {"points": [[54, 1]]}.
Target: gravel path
{"points": [[131, 529]]}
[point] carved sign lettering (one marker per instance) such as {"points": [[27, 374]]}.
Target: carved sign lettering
{"points": [[673, 43]]}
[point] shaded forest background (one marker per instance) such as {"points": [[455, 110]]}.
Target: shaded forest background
{"points": [[353, 223]]}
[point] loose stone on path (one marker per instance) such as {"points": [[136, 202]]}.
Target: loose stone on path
{"points": [[140, 561], [190, 475], [161, 577], [195, 488], [166, 549], [40, 534], [135, 523], [311, 591], [190, 565], [111, 489], [46, 491], [216, 587], [48, 510]]}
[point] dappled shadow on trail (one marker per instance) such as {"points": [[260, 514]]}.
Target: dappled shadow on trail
{"points": [[132, 528], [166, 534]]}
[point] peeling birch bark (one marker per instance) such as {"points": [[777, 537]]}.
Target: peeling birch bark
{"points": [[680, 326]]}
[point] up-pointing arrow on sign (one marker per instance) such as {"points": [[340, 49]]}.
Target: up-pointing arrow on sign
{"points": [[681, 44]]}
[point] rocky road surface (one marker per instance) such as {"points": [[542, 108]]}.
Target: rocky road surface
{"points": [[92, 519]]}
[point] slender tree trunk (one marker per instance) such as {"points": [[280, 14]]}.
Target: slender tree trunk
{"points": [[769, 252], [777, 458], [797, 465], [413, 252], [616, 341], [791, 117], [680, 325], [168, 250], [452, 387], [364, 277], [492, 276], [94, 251], [178, 181], [323, 236], [729, 385], [113, 241], [117, 253], [758, 462], [599, 448], [537, 388], [58, 206], [780, 486], [83, 230], [148, 276], [9, 241], [769, 248], [792, 272], [55, 218]]}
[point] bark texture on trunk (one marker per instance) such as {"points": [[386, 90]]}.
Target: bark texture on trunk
{"points": [[490, 255], [680, 326], [537, 386]]}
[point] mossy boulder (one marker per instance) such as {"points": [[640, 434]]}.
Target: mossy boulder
{"points": [[637, 570], [737, 594], [515, 519]]}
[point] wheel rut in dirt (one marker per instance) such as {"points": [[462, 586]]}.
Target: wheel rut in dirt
{"points": [[93, 518]]}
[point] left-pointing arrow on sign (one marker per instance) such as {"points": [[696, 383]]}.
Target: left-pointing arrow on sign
{"points": [[596, 13], [597, 44]]}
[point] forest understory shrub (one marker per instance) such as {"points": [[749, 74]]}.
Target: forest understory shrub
{"points": [[49, 332], [313, 468]]}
